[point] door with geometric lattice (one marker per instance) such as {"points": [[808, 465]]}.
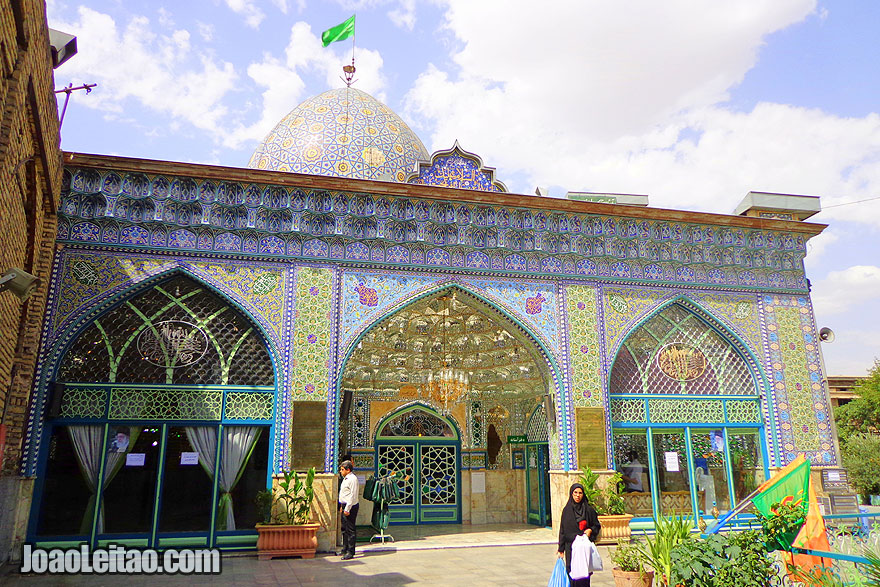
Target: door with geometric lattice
{"points": [[422, 450], [428, 478]]}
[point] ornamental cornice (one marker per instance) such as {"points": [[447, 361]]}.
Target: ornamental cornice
{"points": [[178, 212], [216, 173]]}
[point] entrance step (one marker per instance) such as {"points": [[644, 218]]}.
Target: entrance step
{"points": [[440, 536]]}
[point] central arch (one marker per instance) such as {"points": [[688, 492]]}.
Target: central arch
{"points": [[463, 361]]}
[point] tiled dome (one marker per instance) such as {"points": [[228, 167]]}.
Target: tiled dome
{"points": [[343, 133]]}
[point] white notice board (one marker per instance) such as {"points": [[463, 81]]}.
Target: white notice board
{"points": [[671, 459], [478, 483], [135, 459]]}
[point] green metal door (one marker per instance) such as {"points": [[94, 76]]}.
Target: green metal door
{"points": [[537, 483], [429, 488], [423, 450]]}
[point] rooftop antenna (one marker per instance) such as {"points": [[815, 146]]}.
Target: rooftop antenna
{"points": [[70, 89]]}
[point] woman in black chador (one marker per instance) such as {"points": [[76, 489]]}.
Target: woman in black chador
{"points": [[578, 517]]}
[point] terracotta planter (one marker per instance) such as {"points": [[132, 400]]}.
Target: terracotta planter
{"points": [[632, 579], [275, 540], [614, 528]]}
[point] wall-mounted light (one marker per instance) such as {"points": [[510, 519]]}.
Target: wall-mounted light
{"points": [[19, 282]]}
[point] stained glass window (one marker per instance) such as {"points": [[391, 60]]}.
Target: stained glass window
{"points": [[178, 332], [676, 352]]}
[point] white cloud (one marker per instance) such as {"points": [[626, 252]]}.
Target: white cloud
{"points": [[608, 70], [602, 98], [282, 5], [206, 31], [252, 13], [852, 353], [817, 246], [284, 85], [193, 87], [404, 16], [847, 290], [165, 18], [134, 63]]}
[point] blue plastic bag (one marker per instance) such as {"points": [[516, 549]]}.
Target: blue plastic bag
{"points": [[559, 578]]}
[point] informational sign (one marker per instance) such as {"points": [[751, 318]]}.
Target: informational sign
{"points": [[308, 434], [478, 483], [590, 426], [671, 458], [517, 439], [135, 459], [189, 458], [835, 481]]}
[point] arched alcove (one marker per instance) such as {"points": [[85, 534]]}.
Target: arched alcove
{"points": [[686, 412], [460, 357], [160, 422]]}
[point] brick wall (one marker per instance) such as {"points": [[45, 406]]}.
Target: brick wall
{"points": [[30, 179]]}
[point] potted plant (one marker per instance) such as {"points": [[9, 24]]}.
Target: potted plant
{"points": [[609, 505], [287, 511], [629, 569], [656, 551]]}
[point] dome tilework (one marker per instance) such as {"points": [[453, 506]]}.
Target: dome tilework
{"points": [[344, 133]]}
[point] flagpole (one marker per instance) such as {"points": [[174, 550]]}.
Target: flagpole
{"points": [[350, 69], [785, 471], [739, 507]]}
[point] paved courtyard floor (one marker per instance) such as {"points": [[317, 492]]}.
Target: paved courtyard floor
{"points": [[438, 555]]}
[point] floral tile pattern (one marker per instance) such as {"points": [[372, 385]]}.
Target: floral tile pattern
{"points": [[802, 406], [584, 354], [311, 334]]}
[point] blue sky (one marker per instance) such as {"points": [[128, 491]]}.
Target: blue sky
{"points": [[692, 103]]}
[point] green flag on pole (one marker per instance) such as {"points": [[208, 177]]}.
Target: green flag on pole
{"points": [[789, 486], [338, 33]]}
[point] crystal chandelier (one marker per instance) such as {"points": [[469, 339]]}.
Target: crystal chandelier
{"points": [[446, 385]]}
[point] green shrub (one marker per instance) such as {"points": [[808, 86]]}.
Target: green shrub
{"points": [[607, 500], [861, 457], [627, 557], [736, 559], [656, 551], [591, 492], [613, 500], [291, 502]]}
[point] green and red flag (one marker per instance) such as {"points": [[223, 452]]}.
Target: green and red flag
{"points": [[340, 32], [790, 486]]}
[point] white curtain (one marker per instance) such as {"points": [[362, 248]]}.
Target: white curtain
{"points": [[238, 443], [204, 440], [87, 441]]}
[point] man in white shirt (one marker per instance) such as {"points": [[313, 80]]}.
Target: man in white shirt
{"points": [[632, 473], [348, 508]]}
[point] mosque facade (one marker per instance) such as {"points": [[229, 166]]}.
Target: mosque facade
{"points": [[209, 328]]}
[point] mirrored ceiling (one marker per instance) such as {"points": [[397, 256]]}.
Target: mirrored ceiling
{"points": [[454, 329]]}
